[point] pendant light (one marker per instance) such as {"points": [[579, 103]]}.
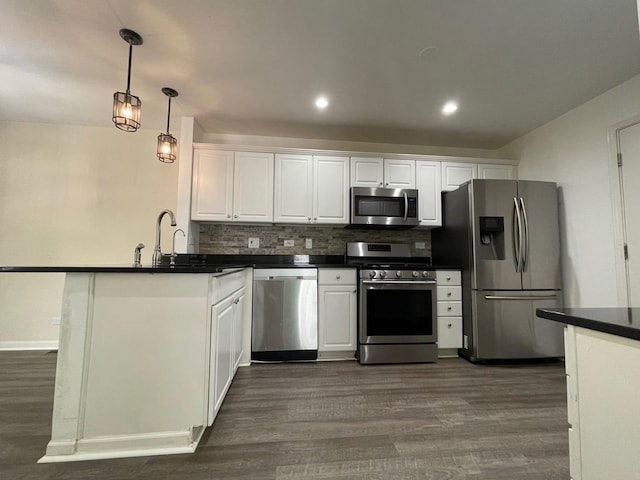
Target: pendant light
{"points": [[167, 143], [127, 108]]}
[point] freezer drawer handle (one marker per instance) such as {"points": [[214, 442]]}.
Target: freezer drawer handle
{"points": [[520, 297]]}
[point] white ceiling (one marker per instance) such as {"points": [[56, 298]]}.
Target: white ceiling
{"points": [[255, 66]]}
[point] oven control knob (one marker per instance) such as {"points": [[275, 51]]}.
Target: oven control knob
{"points": [[415, 274], [383, 274], [425, 274], [398, 274], [372, 273]]}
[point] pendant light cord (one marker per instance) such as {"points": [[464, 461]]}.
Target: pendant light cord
{"points": [[129, 69], [168, 115]]}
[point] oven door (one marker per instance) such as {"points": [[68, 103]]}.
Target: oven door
{"points": [[397, 312]]}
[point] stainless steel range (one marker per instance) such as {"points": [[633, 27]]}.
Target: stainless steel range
{"points": [[396, 304]]}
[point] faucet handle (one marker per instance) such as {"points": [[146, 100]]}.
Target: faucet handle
{"points": [[137, 255], [173, 255]]}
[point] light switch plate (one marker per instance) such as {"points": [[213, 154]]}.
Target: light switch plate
{"points": [[254, 242], [420, 245], [308, 243], [288, 243]]}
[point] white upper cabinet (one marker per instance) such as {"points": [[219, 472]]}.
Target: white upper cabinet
{"points": [[456, 173], [330, 189], [232, 186], [428, 183], [378, 172], [293, 188], [399, 173], [212, 190], [311, 189], [253, 187], [496, 171], [367, 172]]}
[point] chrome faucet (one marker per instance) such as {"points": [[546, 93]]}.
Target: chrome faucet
{"points": [[157, 252], [172, 262], [137, 255]]}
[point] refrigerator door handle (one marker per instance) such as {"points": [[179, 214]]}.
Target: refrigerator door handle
{"points": [[520, 297], [406, 205], [525, 250], [517, 235]]}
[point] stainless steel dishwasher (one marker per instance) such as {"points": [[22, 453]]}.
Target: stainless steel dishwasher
{"points": [[285, 314]]}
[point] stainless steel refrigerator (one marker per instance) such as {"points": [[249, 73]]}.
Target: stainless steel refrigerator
{"points": [[504, 236]]}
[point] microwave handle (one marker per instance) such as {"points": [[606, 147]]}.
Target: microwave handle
{"points": [[406, 205]]}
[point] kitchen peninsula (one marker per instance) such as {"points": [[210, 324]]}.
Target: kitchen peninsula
{"points": [[602, 349], [145, 357]]}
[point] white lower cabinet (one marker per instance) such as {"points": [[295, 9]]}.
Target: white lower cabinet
{"points": [[337, 293], [449, 310], [226, 337]]}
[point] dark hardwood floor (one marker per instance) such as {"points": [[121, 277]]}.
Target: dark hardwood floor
{"points": [[330, 420]]}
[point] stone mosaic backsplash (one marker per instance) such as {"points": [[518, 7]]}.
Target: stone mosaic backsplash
{"points": [[232, 239]]}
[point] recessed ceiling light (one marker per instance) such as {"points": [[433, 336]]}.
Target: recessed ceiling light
{"points": [[449, 108], [322, 102]]}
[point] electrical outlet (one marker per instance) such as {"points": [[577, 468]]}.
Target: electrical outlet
{"points": [[254, 242], [288, 243], [55, 320], [420, 245], [308, 243]]}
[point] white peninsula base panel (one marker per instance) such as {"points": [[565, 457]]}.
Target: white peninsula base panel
{"points": [[603, 388], [132, 377]]}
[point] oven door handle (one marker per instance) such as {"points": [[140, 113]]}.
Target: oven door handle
{"points": [[398, 282]]}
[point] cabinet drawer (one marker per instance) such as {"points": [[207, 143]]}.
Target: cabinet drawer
{"points": [[448, 294], [448, 277], [224, 285], [449, 309], [337, 276], [450, 332]]}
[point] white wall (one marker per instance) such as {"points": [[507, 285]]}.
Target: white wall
{"points": [[72, 195], [573, 151]]}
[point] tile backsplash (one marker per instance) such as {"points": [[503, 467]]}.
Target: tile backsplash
{"points": [[327, 239]]}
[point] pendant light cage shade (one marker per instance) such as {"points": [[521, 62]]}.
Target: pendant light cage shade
{"points": [[127, 110], [167, 143], [167, 148]]}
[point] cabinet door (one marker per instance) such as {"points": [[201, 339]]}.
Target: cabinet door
{"points": [[489, 171], [221, 353], [428, 183], [212, 192], [455, 173], [336, 318], [238, 331], [367, 172], [330, 190], [293, 188], [253, 187], [399, 173]]}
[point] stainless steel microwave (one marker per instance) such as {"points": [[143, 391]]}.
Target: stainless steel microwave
{"points": [[384, 207]]}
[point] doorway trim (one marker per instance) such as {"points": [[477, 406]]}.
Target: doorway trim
{"points": [[617, 205]]}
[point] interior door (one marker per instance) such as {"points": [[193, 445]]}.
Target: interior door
{"points": [[539, 204], [629, 173]]}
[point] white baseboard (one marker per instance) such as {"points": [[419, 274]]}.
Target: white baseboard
{"points": [[37, 345], [123, 446]]}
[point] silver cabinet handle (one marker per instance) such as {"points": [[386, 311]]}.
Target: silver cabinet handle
{"points": [[235, 216], [449, 325], [448, 279], [449, 307], [448, 294], [338, 277], [228, 216]]}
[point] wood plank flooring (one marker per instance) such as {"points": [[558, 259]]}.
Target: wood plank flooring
{"points": [[331, 420]]}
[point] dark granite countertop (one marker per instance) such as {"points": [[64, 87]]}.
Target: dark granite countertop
{"points": [[203, 263], [622, 322]]}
